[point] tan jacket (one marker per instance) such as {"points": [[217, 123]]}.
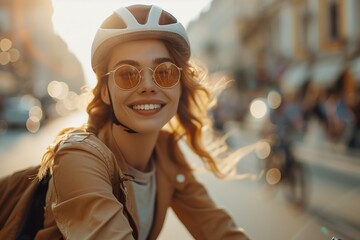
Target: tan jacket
{"points": [[89, 178]]}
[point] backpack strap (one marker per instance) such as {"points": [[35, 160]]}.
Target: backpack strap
{"points": [[118, 178], [34, 219]]}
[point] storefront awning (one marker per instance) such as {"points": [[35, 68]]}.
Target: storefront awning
{"points": [[295, 76], [325, 72], [355, 69]]}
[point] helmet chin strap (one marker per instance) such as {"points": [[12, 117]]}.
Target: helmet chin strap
{"points": [[114, 118]]}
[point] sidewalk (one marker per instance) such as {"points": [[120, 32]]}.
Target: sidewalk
{"points": [[329, 157]]}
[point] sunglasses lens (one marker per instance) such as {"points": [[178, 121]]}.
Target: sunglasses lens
{"points": [[127, 77], [166, 75]]}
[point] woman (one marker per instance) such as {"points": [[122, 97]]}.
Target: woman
{"points": [[115, 177]]}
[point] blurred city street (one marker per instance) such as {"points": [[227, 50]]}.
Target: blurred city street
{"points": [[333, 187], [292, 98]]}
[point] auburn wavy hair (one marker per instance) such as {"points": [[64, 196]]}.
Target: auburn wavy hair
{"points": [[187, 124]]}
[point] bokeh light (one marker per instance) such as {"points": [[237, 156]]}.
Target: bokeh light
{"points": [[5, 44], [274, 99], [61, 109], [262, 149], [258, 108], [58, 90], [33, 124], [14, 55], [36, 113], [4, 58], [273, 176]]}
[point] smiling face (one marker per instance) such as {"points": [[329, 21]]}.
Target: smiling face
{"points": [[146, 107]]}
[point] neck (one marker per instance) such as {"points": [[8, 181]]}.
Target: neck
{"points": [[136, 148]]}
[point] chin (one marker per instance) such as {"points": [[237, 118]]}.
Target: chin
{"points": [[149, 128]]}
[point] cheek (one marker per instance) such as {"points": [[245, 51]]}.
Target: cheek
{"points": [[118, 95], [119, 99]]}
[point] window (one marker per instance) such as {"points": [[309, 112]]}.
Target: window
{"points": [[332, 27], [302, 20], [333, 13]]}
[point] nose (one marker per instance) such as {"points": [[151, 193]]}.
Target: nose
{"points": [[147, 84]]}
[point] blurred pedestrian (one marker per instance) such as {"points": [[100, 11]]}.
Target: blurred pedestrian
{"points": [[287, 118], [338, 114], [116, 177], [312, 100], [286, 125]]}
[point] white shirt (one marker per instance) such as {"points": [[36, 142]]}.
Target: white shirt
{"points": [[144, 186]]}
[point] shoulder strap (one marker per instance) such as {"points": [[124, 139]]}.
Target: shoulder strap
{"points": [[34, 218], [118, 177]]}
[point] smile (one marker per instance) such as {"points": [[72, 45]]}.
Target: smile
{"points": [[146, 107]]}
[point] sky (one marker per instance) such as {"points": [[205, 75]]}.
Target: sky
{"points": [[76, 21]]}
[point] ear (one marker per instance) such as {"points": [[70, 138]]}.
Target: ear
{"points": [[105, 94]]}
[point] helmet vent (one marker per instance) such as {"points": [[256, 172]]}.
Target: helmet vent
{"points": [[140, 12], [166, 18], [113, 22]]}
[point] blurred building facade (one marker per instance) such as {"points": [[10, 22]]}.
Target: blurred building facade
{"points": [[214, 36], [32, 55], [310, 48], [296, 38]]}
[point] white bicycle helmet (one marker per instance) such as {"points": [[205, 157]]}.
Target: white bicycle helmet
{"points": [[138, 22]]}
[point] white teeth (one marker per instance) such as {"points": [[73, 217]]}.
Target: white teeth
{"points": [[147, 106]]}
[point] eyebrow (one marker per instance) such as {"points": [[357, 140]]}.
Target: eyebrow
{"points": [[137, 64]]}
